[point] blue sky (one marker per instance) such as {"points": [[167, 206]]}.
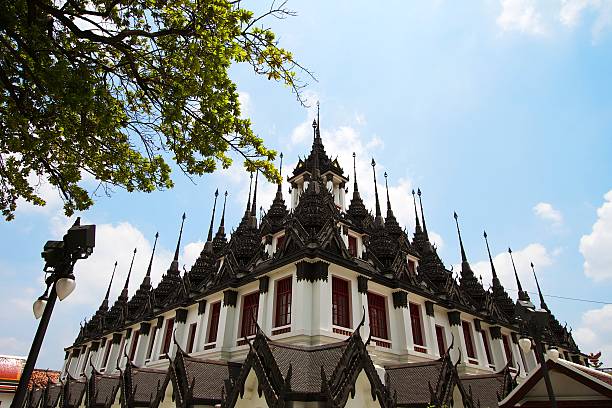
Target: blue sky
{"points": [[499, 110]]}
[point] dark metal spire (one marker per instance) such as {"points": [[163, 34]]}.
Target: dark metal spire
{"points": [[387, 188], [147, 279], [355, 188], [127, 280], [543, 304], [463, 257], [280, 171], [378, 218], [416, 214], [254, 205], [495, 278], [105, 301], [174, 264], [522, 295], [222, 224], [212, 218], [248, 206], [422, 214], [318, 131]]}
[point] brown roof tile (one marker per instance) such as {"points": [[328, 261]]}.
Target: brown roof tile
{"points": [[411, 381]]}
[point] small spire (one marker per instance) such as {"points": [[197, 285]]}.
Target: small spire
{"points": [[222, 224], [416, 214], [105, 301], [522, 295], [463, 257], [387, 187], [543, 304], [127, 280], [318, 128], [174, 265], [212, 218], [280, 171], [378, 214], [248, 206], [422, 213], [355, 188], [147, 280], [495, 279], [254, 206]]}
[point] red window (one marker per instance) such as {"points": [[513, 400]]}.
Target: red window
{"points": [[441, 339], [280, 241], [151, 342], [168, 337], [107, 350], [283, 302], [507, 350], [250, 304], [135, 337], [191, 337], [340, 302], [417, 329], [378, 315], [215, 312], [352, 245], [469, 342], [485, 340], [411, 266]]}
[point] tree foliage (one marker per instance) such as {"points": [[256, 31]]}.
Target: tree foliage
{"points": [[118, 89]]}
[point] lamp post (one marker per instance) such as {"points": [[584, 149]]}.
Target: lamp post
{"points": [[60, 257], [533, 322]]}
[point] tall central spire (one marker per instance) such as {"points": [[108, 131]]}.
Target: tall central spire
{"points": [[147, 279], [463, 257], [495, 278], [355, 188], [543, 304], [378, 220], [388, 200], [522, 295], [212, 218], [416, 215], [104, 304], [422, 213], [174, 265], [248, 205], [124, 293], [254, 205]]}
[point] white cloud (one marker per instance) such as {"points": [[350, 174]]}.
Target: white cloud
{"points": [[572, 10], [12, 346], [436, 240], [547, 212], [535, 252], [521, 15], [245, 104], [592, 336], [595, 247]]}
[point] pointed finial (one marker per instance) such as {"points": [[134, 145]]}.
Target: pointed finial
{"points": [[280, 171], [416, 214], [463, 257], [495, 279], [378, 214], [178, 243], [222, 224], [127, 280], [212, 218], [254, 206], [105, 301], [522, 295], [248, 207], [387, 187], [543, 304], [422, 214], [148, 275], [355, 188]]}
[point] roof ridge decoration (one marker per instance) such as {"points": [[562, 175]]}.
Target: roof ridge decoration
{"points": [[357, 211], [499, 294], [543, 304], [468, 280], [140, 303], [273, 221], [391, 223], [117, 314]]}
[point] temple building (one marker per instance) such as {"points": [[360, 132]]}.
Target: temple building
{"points": [[318, 303]]}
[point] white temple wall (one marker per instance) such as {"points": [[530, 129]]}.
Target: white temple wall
{"points": [[250, 397], [363, 394]]}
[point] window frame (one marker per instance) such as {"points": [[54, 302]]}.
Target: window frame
{"points": [[134, 345], [191, 333], [151, 343], [416, 322], [379, 323], [107, 350], [470, 347], [213, 322], [506, 342], [167, 341], [354, 252], [250, 328], [283, 298], [487, 347], [338, 318], [440, 338]]}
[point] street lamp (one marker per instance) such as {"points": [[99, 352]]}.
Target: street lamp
{"points": [[60, 257], [533, 322]]}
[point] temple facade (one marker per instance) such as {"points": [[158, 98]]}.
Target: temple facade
{"points": [[320, 302]]}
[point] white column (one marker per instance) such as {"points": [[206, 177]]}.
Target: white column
{"points": [[480, 347], [111, 365], [226, 338], [362, 288], [454, 318], [202, 319], [74, 361], [322, 292], [531, 361], [143, 343], [302, 307], [179, 330], [429, 323], [517, 356], [264, 312], [400, 324], [497, 348]]}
